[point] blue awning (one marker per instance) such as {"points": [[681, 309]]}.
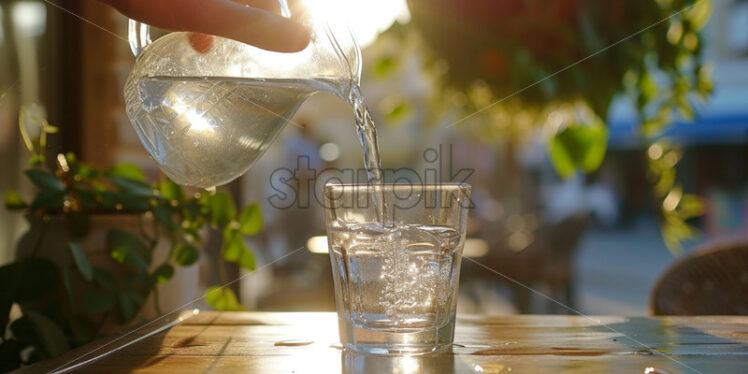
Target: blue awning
{"points": [[723, 119]]}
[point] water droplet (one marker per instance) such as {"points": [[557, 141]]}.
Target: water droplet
{"points": [[293, 343], [211, 190]]}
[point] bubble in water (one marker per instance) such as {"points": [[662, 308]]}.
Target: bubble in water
{"points": [[411, 281], [395, 277]]}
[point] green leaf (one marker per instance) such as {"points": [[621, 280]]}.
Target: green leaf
{"points": [[194, 209], [222, 209], [96, 301], [247, 260], [399, 111], [250, 220], [14, 201], [193, 234], [163, 273], [655, 125], [561, 159], [109, 199], [71, 159], [233, 246], [163, 214], [48, 199], [186, 254], [36, 160], [45, 180], [126, 306], [384, 66], [105, 279], [596, 148], [48, 333], [134, 203], [87, 197], [578, 147], [235, 250], [66, 282], [647, 87], [87, 172], [137, 297], [665, 182], [685, 109], [704, 83], [81, 261], [133, 187], [699, 14], [127, 248], [127, 170], [222, 299], [171, 191], [691, 206]]}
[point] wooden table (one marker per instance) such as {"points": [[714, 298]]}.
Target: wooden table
{"points": [[238, 342]]}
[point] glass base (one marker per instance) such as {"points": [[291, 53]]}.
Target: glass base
{"points": [[396, 343]]}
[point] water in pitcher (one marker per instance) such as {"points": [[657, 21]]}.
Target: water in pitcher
{"points": [[206, 131]]}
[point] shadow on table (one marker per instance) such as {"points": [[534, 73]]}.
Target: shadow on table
{"points": [[688, 346]]}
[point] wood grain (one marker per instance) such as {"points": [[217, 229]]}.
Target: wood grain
{"points": [[238, 342]]}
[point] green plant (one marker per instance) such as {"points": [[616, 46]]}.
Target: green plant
{"points": [[64, 306], [512, 66]]}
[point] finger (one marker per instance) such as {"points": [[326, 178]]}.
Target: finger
{"points": [[226, 18]]}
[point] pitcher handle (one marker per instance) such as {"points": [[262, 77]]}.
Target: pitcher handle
{"points": [[139, 35]]}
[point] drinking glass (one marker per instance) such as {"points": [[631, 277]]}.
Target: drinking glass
{"points": [[396, 274]]}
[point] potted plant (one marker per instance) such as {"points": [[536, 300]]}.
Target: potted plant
{"points": [[100, 245]]}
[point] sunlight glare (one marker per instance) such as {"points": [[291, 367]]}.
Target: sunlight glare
{"points": [[317, 244], [366, 18], [410, 365], [188, 115]]}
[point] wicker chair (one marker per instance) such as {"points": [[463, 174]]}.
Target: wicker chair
{"points": [[713, 280]]}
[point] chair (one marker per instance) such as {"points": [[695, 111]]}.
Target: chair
{"points": [[547, 262], [713, 280], [558, 269]]}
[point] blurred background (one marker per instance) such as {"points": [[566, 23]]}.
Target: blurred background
{"points": [[588, 181]]}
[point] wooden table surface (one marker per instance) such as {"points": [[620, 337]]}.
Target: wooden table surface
{"points": [[245, 342]]}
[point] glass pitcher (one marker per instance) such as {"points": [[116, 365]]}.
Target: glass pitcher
{"points": [[205, 115]]}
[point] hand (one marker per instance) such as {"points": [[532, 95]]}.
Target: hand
{"points": [[255, 22]]}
